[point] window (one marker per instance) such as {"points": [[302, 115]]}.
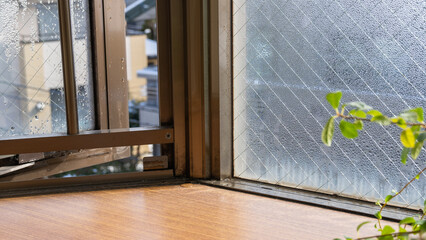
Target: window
{"points": [[247, 104], [60, 115], [288, 55]]}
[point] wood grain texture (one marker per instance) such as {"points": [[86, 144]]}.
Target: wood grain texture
{"points": [[170, 212]]}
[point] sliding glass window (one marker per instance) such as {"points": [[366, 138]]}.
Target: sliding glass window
{"points": [[79, 89], [31, 79]]}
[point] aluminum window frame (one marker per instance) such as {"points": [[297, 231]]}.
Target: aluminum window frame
{"points": [[221, 116], [108, 51]]}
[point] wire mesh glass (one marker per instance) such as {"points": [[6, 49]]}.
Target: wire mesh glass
{"points": [[288, 54], [31, 80]]}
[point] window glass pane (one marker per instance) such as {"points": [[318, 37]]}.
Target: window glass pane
{"points": [[142, 76], [48, 22], [83, 65], [39, 32], [31, 83], [288, 55], [142, 66]]}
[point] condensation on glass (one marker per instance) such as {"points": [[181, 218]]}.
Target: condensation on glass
{"points": [[31, 81], [288, 54], [80, 19]]}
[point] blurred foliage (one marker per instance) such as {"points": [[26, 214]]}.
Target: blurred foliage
{"points": [[352, 117]]}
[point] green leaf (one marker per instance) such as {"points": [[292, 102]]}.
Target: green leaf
{"points": [[422, 225], [374, 113], [348, 129], [407, 138], [404, 155], [419, 113], [358, 113], [409, 116], [403, 236], [362, 224], [360, 106], [415, 152], [416, 228], [415, 129], [334, 99], [378, 215], [400, 122], [388, 198], [382, 120], [421, 137], [387, 230], [408, 220], [424, 208], [359, 125], [328, 132]]}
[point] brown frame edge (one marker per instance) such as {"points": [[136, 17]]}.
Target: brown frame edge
{"points": [[323, 200], [195, 60], [165, 81], [87, 140], [89, 183], [221, 88], [99, 63]]}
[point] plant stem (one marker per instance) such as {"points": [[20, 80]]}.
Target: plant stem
{"points": [[406, 185], [389, 235], [422, 125]]}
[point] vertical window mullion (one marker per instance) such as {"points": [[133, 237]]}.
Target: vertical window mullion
{"points": [[68, 66]]}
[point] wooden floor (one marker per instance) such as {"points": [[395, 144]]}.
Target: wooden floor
{"points": [[169, 212]]}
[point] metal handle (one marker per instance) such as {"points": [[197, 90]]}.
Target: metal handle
{"points": [[68, 66]]}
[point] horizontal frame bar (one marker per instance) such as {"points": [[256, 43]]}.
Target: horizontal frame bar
{"points": [[87, 140], [88, 183], [323, 200]]}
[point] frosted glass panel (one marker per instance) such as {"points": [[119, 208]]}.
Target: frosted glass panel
{"points": [[288, 54]]}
